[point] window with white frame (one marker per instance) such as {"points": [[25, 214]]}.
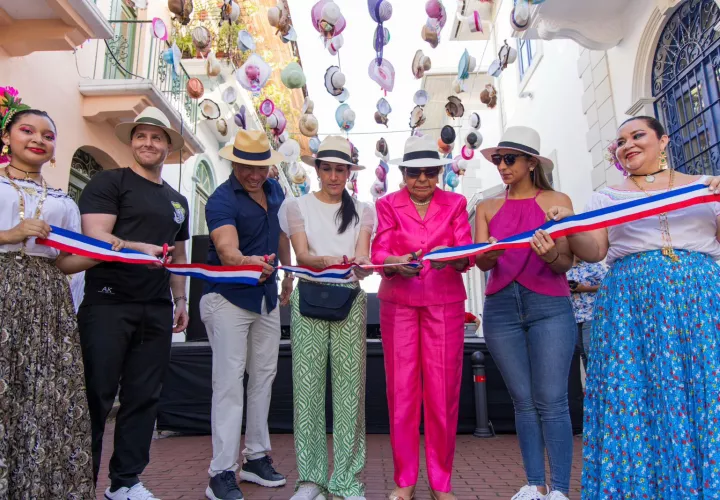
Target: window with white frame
{"points": [[526, 53], [204, 186]]}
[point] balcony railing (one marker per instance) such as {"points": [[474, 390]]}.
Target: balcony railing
{"points": [[135, 54]]}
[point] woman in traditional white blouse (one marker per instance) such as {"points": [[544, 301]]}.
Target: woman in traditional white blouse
{"points": [[45, 448], [326, 228], [652, 416]]}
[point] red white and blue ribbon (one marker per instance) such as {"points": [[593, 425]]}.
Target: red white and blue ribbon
{"points": [[687, 196], [78, 244], [629, 211]]}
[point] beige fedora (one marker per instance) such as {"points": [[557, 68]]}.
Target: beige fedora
{"points": [[251, 147], [150, 116]]}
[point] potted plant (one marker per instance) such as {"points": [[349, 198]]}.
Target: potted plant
{"points": [[184, 43], [227, 38]]}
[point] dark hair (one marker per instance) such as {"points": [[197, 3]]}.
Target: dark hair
{"points": [[651, 122], [537, 176], [14, 118], [132, 132], [347, 213]]}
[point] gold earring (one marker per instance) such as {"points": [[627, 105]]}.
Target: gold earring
{"points": [[5, 150], [663, 160], [52, 162]]}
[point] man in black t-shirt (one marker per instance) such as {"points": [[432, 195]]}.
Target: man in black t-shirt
{"points": [[126, 318]]}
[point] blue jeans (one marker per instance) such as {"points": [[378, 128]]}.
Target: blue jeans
{"points": [[531, 338]]}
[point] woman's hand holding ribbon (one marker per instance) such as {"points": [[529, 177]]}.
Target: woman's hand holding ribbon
{"points": [[359, 272], [401, 268], [544, 246]]}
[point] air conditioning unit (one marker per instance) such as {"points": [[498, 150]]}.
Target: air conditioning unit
{"points": [[460, 27]]}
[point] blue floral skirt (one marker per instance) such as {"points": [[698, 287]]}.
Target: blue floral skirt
{"points": [[652, 404]]}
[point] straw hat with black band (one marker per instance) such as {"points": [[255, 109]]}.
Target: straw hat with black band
{"points": [[150, 116], [251, 147], [334, 149], [420, 152]]}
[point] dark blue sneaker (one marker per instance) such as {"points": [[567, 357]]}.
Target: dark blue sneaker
{"points": [[223, 486], [262, 472]]}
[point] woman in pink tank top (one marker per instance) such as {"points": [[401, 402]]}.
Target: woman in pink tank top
{"points": [[528, 321]]}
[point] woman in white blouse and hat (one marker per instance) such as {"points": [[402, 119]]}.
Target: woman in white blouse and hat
{"points": [[326, 228]]}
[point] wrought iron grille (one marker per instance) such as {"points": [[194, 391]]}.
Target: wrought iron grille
{"points": [[686, 87]]}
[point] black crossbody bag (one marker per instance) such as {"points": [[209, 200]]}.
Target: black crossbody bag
{"points": [[326, 302]]}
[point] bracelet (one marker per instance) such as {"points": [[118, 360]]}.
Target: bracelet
{"points": [[289, 276], [553, 261], [178, 299]]}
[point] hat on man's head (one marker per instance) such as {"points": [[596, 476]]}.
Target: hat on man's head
{"points": [[251, 147], [156, 118], [420, 151], [334, 149], [524, 140]]}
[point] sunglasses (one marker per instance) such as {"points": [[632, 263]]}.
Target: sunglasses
{"points": [[509, 159], [415, 173]]}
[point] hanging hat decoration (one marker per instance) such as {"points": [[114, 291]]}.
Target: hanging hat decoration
{"points": [[212, 66], [444, 148], [182, 9], [466, 65], [159, 29], [420, 64], [290, 149], [254, 74], [239, 118], [345, 117], [473, 141], [489, 96], [421, 98], [201, 39], [292, 76], [277, 122], [383, 74], [282, 138], [351, 184], [279, 18], [495, 69], [520, 14], [459, 165], [381, 149], [475, 120], [172, 57], [229, 95], [314, 144], [229, 11], [308, 122], [195, 88], [267, 107], [327, 19], [437, 17], [474, 22], [222, 127], [447, 135], [379, 186], [454, 107], [209, 109], [380, 11], [507, 55], [417, 117], [290, 36], [383, 110], [334, 44], [245, 41], [335, 83]]}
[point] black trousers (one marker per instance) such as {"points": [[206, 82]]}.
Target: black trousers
{"points": [[127, 345]]}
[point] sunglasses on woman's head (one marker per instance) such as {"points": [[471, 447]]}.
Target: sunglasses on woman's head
{"points": [[414, 173], [509, 158]]}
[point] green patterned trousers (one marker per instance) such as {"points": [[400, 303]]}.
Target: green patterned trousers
{"points": [[312, 340]]}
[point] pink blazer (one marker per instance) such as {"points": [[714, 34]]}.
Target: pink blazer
{"points": [[401, 231]]}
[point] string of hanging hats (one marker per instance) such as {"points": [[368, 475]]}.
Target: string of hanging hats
{"points": [[437, 17], [379, 186]]}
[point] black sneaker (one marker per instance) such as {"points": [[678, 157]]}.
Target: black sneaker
{"points": [[261, 471], [223, 486]]}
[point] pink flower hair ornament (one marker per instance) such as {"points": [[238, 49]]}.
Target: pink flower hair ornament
{"points": [[612, 158], [10, 104]]}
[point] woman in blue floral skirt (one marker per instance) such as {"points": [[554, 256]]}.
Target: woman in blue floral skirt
{"points": [[652, 407]]}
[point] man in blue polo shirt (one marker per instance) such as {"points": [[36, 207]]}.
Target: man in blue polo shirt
{"points": [[243, 322]]}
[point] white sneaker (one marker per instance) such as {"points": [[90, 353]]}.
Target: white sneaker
{"points": [[528, 492], [308, 491], [556, 495], [137, 492]]}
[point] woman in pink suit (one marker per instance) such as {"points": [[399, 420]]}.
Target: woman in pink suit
{"points": [[422, 313]]}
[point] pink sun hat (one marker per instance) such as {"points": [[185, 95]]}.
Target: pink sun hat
{"points": [[327, 18], [383, 74]]}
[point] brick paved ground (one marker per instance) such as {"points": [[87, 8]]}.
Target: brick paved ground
{"points": [[484, 468]]}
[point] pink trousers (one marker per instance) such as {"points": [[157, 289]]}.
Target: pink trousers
{"points": [[423, 349]]}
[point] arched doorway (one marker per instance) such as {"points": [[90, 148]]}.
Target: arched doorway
{"points": [[204, 187], [686, 86], [82, 167]]}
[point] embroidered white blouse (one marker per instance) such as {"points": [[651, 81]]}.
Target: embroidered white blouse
{"points": [[58, 210], [693, 228]]}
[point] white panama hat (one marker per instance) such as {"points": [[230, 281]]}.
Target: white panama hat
{"points": [[523, 139], [420, 152]]}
